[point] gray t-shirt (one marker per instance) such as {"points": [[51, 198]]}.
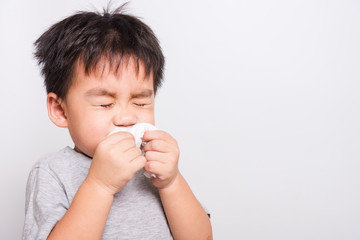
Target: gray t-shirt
{"points": [[136, 212]]}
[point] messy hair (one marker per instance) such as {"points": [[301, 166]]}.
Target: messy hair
{"points": [[90, 37]]}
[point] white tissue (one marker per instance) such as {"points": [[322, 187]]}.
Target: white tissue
{"points": [[138, 131]]}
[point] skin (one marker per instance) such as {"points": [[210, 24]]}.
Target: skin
{"points": [[94, 105]]}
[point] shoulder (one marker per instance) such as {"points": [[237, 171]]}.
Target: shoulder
{"points": [[63, 159], [63, 171], [50, 164], [62, 166], [54, 158]]}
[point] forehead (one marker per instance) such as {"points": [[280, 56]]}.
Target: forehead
{"points": [[126, 70]]}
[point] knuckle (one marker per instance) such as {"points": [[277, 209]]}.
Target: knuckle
{"points": [[148, 145], [142, 159], [149, 167], [153, 144], [115, 156], [138, 151], [147, 155], [127, 140], [112, 153]]}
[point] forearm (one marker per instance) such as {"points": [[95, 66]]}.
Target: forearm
{"points": [[87, 214], [186, 216]]}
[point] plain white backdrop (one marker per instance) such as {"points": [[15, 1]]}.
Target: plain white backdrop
{"points": [[262, 96]]}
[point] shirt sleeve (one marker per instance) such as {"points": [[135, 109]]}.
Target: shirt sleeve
{"points": [[46, 203]]}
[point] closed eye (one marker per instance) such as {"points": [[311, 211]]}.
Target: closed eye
{"points": [[143, 104], [140, 104], [106, 105]]}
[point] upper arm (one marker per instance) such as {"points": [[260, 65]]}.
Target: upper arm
{"points": [[46, 203]]}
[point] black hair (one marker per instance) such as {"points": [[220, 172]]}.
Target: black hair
{"points": [[91, 36]]}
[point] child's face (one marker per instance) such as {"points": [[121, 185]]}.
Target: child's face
{"points": [[98, 102]]}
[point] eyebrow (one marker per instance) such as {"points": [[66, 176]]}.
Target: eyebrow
{"points": [[100, 92], [143, 93]]}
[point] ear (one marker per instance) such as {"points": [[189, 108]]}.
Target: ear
{"points": [[56, 110]]}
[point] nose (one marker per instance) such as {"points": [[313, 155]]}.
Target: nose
{"points": [[124, 118]]}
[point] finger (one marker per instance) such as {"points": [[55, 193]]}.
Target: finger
{"points": [[158, 145], [133, 153], [157, 134], [157, 156], [138, 163], [117, 137], [157, 168], [125, 144]]}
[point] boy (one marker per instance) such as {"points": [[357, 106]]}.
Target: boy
{"points": [[102, 71]]}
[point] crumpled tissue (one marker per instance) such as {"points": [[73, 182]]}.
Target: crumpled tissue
{"points": [[138, 131]]}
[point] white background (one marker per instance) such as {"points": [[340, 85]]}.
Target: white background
{"points": [[263, 97]]}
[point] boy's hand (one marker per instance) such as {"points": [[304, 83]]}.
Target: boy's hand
{"points": [[162, 155], [115, 162]]}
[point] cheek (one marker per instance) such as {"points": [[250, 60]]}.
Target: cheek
{"points": [[147, 116], [89, 132], [90, 139], [97, 131]]}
